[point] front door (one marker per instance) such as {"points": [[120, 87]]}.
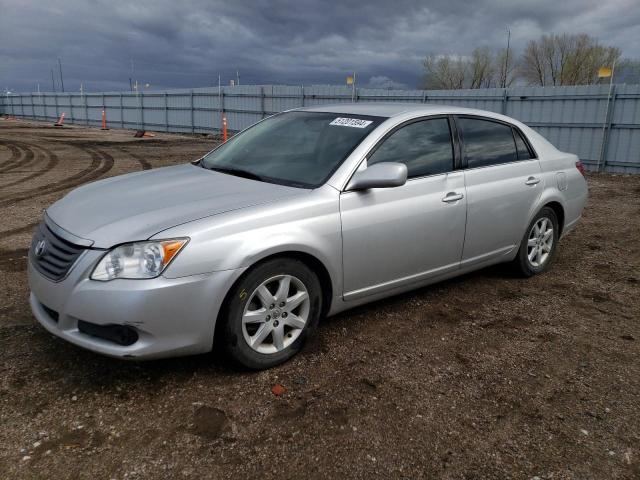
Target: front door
{"points": [[393, 237]]}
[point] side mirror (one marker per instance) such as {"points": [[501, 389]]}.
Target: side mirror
{"points": [[379, 175]]}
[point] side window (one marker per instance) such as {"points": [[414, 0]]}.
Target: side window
{"points": [[486, 142], [521, 146], [424, 146]]}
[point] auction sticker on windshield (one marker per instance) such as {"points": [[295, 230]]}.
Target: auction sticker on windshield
{"points": [[351, 122]]}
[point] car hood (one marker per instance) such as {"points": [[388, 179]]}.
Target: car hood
{"points": [[139, 205]]}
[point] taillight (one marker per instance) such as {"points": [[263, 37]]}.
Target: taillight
{"points": [[580, 167]]}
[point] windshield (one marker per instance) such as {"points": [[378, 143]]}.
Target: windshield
{"points": [[295, 148]]}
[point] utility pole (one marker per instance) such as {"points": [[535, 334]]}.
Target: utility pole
{"points": [[603, 146], [506, 60], [53, 81], [61, 79], [353, 88], [132, 77]]}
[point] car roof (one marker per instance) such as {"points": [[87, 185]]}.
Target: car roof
{"points": [[383, 109]]}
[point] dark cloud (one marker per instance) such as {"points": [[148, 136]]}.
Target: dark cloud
{"points": [[188, 43]]}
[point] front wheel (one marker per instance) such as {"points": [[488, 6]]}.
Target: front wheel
{"points": [[271, 312], [538, 245]]}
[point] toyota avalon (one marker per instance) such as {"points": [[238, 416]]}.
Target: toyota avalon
{"points": [[302, 215]]}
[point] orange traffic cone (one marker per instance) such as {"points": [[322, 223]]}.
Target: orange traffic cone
{"points": [[104, 120], [60, 121], [224, 128]]}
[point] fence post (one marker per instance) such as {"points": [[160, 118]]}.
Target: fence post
{"points": [[166, 112], [193, 127], [86, 109], [606, 129], [33, 108], [505, 99], [141, 105], [55, 99], [262, 113], [221, 100], [121, 112], [104, 107], [302, 95]]}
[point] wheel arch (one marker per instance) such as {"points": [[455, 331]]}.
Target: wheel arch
{"points": [[311, 261], [558, 209]]}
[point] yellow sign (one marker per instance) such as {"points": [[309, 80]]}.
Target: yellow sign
{"points": [[604, 72], [349, 80]]}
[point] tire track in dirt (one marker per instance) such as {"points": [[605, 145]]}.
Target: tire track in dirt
{"points": [[24, 159], [101, 163], [19, 230], [15, 152], [51, 159], [14, 260], [144, 163]]}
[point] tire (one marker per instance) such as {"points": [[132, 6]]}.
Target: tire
{"points": [[259, 332], [536, 258]]}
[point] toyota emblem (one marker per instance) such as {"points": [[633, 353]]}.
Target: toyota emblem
{"points": [[40, 247]]}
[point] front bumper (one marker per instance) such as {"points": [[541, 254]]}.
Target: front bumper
{"points": [[171, 316]]}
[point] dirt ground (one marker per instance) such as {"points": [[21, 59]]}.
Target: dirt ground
{"points": [[485, 376]]}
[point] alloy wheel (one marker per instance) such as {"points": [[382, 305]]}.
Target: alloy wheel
{"points": [[276, 314], [540, 242]]}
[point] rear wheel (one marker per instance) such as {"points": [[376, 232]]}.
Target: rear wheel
{"points": [[538, 245], [271, 312]]}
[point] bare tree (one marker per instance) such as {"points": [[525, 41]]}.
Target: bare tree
{"points": [[481, 68], [533, 65], [453, 72], [505, 67], [445, 72], [565, 60], [556, 59]]}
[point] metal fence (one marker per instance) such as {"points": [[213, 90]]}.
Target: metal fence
{"points": [[601, 128]]}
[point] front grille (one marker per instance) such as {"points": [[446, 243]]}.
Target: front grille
{"points": [[52, 255]]}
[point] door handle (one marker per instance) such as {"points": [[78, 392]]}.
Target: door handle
{"points": [[532, 181], [452, 197]]}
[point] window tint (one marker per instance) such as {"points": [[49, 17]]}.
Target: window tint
{"points": [[425, 147], [486, 142], [523, 151]]}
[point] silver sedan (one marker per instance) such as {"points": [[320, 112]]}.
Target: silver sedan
{"points": [[303, 215]]}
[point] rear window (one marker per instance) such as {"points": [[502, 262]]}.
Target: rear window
{"points": [[521, 146], [486, 142]]}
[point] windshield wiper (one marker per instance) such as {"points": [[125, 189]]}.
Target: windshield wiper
{"points": [[238, 172]]}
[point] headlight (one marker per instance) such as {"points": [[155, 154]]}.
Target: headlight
{"points": [[138, 260]]}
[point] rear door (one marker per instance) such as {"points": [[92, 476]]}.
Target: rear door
{"points": [[397, 236], [503, 183]]}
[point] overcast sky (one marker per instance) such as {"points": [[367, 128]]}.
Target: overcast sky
{"points": [[188, 43]]}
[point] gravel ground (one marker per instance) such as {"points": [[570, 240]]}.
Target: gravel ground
{"points": [[485, 376]]}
